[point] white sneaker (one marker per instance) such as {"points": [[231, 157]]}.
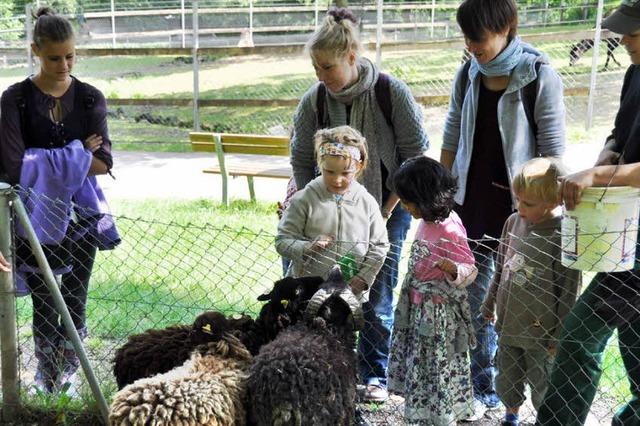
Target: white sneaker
{"points": [[478, 409]]}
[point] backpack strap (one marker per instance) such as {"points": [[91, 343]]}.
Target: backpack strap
{"points": [[464, 77], [382, 90], [529, 94], [21, 104], [87, 99], [320, 96]]}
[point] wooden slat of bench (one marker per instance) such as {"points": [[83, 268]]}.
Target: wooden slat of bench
{"points": [[256, 170], [254, 165], [241, 144], [255, 149]]}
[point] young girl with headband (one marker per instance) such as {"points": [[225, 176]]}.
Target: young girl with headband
{"points": [[334, 219]]}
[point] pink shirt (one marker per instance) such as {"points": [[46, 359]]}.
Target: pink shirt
{"points": [[447, 239]]}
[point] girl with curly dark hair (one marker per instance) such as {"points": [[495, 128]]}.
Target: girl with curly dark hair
{"points": [[432, 331]]}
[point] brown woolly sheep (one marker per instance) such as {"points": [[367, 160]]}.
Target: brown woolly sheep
{"points": [[209, 389], [158, 351]]}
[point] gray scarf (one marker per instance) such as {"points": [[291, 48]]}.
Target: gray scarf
{"points": [[363, 117]]}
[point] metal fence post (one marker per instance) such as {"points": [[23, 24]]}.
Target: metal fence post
{"points": [[546, 12], [316, 10], [594, 66], [196, 69], [8, 340], [113, 23], [433, 16], [182, 23], [379, 5], [60, 305], [251, 21], [28, 30]]}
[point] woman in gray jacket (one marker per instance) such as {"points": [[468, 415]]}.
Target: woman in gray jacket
{"points": [[506, 107], [353, 92]]}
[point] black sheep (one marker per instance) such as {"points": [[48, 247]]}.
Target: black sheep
{"points": [[285, 306], [307, 375]]}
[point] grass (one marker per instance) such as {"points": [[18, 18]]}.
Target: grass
{"points": [[181, 259]]}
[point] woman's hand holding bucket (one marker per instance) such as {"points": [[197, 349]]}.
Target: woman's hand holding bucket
{"points": [[571, 186]]}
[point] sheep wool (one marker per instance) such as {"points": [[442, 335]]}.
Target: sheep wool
{"points": [[307, 375], [158, 351], [209, 389]]}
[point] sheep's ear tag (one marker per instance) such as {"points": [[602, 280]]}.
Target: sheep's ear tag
{"points": [[207, 329], [284, 302]]}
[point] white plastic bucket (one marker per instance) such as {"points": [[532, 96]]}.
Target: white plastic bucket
{"points": [[600, 233]]}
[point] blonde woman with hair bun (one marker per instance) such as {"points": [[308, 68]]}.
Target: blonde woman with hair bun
{"points": [[352, 91]]}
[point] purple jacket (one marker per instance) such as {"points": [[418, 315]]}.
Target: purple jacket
{"points": [[54, 181]]}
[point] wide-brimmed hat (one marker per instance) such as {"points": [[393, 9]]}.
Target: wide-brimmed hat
{"points": [[626, 19]]}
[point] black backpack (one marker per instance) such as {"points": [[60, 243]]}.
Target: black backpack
{"points": [[529, 93], [383, 97]]}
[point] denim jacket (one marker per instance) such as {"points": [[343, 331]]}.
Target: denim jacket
{"points": [[518, 140]]}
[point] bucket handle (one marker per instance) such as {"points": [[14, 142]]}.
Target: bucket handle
{"points": [[606, 188]]}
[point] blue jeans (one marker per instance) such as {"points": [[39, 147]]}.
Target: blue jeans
{"points": [[375, 338], [483, 370]]}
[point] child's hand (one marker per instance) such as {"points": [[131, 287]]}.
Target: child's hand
{"points": [[4, 265], [93, 142], [319, 243], [448, 267], [358, 285]]}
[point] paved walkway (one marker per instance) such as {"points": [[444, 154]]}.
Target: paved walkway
{"points": [[141, 175]]}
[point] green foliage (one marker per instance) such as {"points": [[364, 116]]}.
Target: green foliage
{"points": [[7, 11]]}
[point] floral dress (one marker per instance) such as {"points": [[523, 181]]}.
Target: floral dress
{"points": [[432, 334]]}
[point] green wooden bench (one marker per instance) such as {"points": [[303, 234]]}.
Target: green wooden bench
{"points": [[250, 156]]}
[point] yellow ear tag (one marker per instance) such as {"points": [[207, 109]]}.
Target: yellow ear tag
{"points": [[284, 302], [207, 329]]}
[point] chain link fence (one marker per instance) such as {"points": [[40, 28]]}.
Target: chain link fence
{"points": [[163, 274]]}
